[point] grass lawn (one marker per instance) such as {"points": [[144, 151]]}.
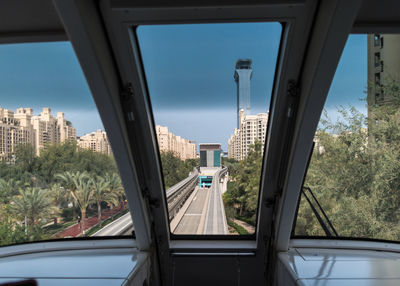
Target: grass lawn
{"points": [[238, 228], [52, 229]]}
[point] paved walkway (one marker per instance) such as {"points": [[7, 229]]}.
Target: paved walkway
{"points": [[250, 229], [75, 230]]}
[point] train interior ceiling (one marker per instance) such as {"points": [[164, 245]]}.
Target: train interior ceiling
{"points": [[195, 180]]}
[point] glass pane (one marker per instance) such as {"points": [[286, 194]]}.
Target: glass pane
{"points": [[58, 177], [210, 87], [354, 169]]}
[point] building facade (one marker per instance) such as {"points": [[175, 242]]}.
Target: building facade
{"points": [[210, 155], [23, 127], [50, 129], [251, 128], [383, 66], [95, 141], [242, 76], [169, 142], [15, 129]]}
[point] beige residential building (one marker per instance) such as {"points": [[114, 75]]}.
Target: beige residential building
{"points": [[50, 129], [251, 128], [167, 141], [23, 127], [15, 129], [95, 141]]}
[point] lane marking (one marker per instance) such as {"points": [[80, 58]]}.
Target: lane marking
{"points": [[215, 214], [201, 229]]}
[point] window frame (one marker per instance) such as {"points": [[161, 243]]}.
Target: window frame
{"points": [[120, 27], [343, 242], [218, 237]]}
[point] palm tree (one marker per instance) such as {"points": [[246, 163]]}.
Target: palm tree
{"points": [[8, 188], [33, 204], [67, 179], [83, 195], [115, 186], [102, 193], [58, 195]]}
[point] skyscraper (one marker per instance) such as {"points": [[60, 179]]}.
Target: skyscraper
{"points": [[243, 73]]}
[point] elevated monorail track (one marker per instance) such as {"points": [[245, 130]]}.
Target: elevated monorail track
{"points": [[176, 197], [178, 193]]}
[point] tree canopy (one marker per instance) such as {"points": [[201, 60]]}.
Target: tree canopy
{"points": [[354, 173]]}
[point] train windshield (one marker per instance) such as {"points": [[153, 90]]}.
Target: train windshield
{"points": [[352, 187], [210, 88], [58, 177]]}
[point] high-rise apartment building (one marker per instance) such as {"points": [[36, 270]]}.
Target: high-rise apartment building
{"points": [[242, 76], [15, 129], [95, 141], [252, 128], [23, 127], [50, 129], [383, 66], [169, 142]]}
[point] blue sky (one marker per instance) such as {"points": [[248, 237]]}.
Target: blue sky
{"points": [[350, 81], [47, 75], [189, 69]]}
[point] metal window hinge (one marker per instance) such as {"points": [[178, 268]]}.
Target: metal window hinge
{"points": [[293, 93], [127, 92], [152, 201], [126, 95], [293, 88]]}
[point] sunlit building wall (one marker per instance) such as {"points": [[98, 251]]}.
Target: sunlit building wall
{"points": [[95, 141], [169, 142], [50, 129], [383, 66], [15, 129], [65, 129], [252, 128], [234, 145], [23, 127]]}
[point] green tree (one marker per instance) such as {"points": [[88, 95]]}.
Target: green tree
{"points": [[354, 172], [243, 188], [102, 193], [8, 188], [25, 158], [59, 197], [68, 183], [82, 194], [57, 158], [32, 204], [174, 169], [10, 232], [115, 186]]}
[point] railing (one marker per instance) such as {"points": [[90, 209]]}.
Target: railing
{"points": [[178, 193], [176, 196]]}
